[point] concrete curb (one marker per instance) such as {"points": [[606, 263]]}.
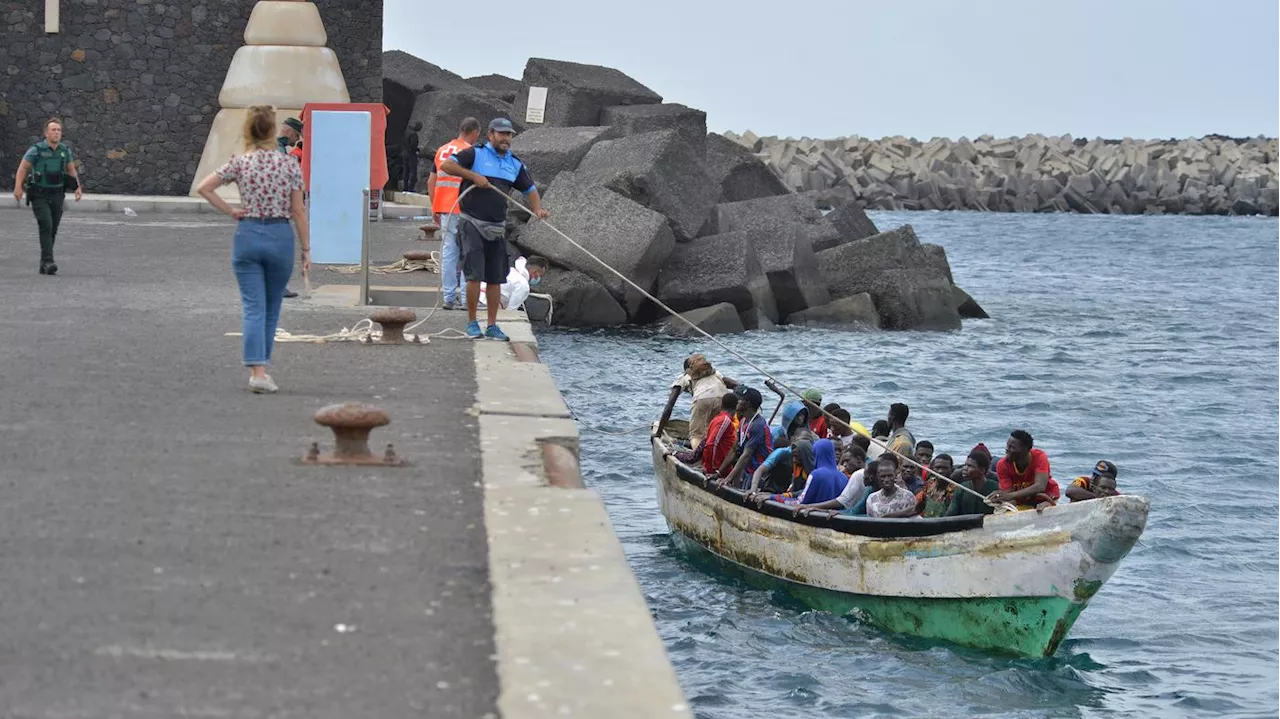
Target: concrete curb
{"points": [[574, 635]]}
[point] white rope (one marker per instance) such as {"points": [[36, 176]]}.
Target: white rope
{"points": [[432, 265], [1005, 506]]}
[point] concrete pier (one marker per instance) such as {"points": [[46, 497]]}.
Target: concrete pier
{"points": [[165, 553]]}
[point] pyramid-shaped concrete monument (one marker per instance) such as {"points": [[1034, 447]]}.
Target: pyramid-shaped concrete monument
{"points": [[283, 63]]}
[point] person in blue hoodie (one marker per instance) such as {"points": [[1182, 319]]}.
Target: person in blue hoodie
{"points": [[795, 417], [826, 481]]}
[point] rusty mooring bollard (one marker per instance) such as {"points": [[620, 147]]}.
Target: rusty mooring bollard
{"points": [[351, 424], [417, 256], [393, 320], [429, 229]]}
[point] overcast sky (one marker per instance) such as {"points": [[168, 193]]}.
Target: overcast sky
{"points": [[923, 68]]}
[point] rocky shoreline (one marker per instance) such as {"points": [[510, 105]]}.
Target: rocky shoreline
{"points": [[696, 219], [1212, 175]]}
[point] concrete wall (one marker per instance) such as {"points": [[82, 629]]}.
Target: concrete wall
{"points": [[1206, 176], [137, 81]]}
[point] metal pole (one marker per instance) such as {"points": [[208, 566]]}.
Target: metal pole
{"points": [[364, 251]]}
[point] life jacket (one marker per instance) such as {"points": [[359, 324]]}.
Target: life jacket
{"points": [[444, 200], [48, 170]]}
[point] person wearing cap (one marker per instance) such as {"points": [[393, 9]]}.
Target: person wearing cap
{"points": [[1102, 483], [290, 136], [290, 143], [493, 170], [753, 445], [812, 399]]}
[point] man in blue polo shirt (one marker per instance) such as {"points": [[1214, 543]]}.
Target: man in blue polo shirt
{"points": [[494, 170]]}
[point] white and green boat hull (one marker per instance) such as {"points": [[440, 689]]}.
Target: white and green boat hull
{"points": [[1015, 584]]}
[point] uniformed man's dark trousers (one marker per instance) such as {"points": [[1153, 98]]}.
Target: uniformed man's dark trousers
{"points": [[47, 207], [408, 173]]}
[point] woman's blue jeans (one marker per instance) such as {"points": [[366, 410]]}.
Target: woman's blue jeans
{"points": [[262, 257]]}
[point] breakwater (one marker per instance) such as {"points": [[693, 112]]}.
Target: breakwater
{"points": [[1212, 175]]}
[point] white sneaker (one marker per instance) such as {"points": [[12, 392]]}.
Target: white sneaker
{"points": [[264, 385]]}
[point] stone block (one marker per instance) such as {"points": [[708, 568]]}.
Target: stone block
{"points": [[418, 76], [688, 123], [440, 112], [577, 93], [548, 151], [631, 238], [738, 173], [909, 289], [966, 306], [851, 222], [795, 207], [577, 301], [721, 268], [659, 171], [505, 88], [718, 319], [854, 312]]}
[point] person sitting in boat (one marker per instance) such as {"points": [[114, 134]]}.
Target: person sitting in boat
{"points": [[707, 386], [1023, 474], [753, 443], [890, 500], [826, 481], [900, 440], [1102, 483], [813, 406], [976, 476], [880, 433], [795, 419], [935, 498], [719, 440], [786, 469], [853, 465], [841, 432]]}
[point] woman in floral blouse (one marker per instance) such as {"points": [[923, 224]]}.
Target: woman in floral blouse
{"points": [[270, 184]]}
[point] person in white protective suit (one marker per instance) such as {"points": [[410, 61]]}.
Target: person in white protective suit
{"points": [[526, 274]]}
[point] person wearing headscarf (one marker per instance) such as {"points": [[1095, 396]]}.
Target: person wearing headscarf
{"points": [[826, 481], [707, 386]]}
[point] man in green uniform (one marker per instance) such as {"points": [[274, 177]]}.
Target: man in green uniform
{"points": [[43, 176]]}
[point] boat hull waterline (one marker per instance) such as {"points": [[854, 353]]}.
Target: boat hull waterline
{"points": [[1015, 583]]}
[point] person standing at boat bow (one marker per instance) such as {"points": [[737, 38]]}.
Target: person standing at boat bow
{"points": [[707, 386]]}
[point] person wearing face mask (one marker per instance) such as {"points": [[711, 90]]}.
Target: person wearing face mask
{"points": [[526, 274]]}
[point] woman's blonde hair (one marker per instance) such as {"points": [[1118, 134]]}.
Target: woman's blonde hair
{"points": [[260, 128]]}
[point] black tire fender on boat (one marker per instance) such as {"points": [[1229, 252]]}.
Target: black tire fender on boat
{"points": [[859, 525]]}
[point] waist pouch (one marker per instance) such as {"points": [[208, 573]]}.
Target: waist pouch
{"points": [[490, 231]]}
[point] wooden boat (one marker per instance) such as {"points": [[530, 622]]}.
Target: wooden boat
{"points": [[1012, 582]]}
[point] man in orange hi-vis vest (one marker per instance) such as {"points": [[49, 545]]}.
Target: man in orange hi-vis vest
{"points": [[443, 190]]}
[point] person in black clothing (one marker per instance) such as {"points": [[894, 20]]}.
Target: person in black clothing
{"points": [[493, 170], [409, 158]]}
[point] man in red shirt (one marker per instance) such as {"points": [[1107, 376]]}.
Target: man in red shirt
{"points": [[1023, 473], [721, 434]]}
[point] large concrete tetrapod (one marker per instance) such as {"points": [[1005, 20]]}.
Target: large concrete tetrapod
{"points": [[284, 63]]}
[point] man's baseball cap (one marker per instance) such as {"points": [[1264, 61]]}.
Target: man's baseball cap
{"points": [[295, 123], [501, 124], [1104, 469]]}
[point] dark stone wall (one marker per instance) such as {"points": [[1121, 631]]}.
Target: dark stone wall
{"points": [[136, 82]]}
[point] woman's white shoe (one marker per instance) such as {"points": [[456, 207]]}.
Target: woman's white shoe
{"points": [[263, 385]]}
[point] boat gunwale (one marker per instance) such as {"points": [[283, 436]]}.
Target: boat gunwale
{"points": [[873, 527]]}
